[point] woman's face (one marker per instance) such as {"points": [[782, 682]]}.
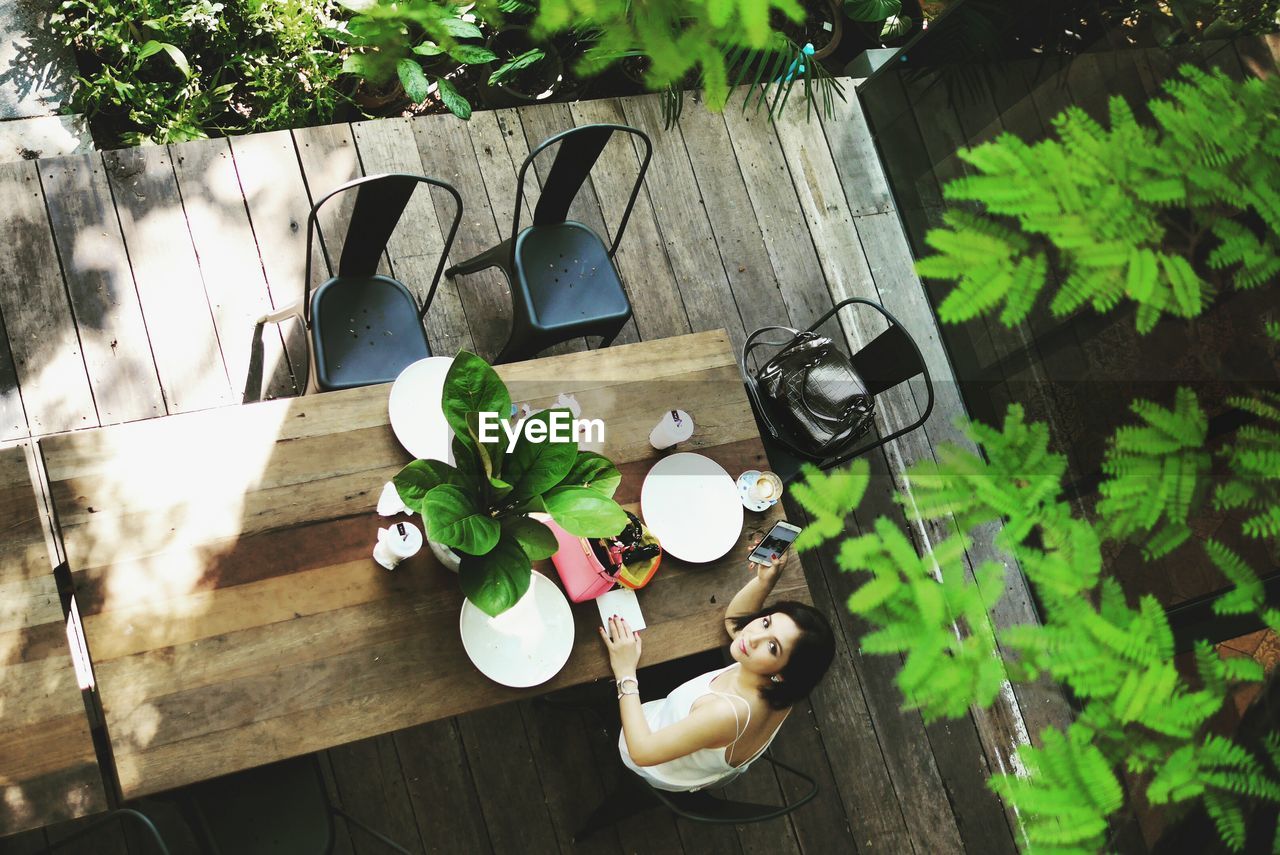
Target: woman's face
{"points": [[764, 645]]}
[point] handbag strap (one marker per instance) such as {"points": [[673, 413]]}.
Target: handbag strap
{"points": [[752, 343]]}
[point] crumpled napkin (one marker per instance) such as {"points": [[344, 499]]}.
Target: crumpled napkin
{"points": [[389, 503]]}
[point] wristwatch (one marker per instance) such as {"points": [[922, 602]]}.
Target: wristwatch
{"points": [[622, 687]]}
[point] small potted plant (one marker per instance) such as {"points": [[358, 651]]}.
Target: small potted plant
{"points": [[527, 70], [479, 508]]}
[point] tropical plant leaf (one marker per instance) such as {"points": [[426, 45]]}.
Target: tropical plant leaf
{"points": [[535, 539], [413, 80], [453, 99], [472, 54], [497, 580], [584, 512], [420, 477], [456, 518], [516, 64], [594, 471], [472, 386], [535, 467]]}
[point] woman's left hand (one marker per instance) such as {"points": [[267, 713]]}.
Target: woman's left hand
{"points": [[624, 647]]}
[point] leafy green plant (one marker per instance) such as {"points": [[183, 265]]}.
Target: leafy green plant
{"points": [[679, 37], [1138, 713], [168, 70], [516, 64], [480, 506], [394, 38], [1162, 217]]}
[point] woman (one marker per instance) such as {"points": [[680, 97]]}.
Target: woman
{"points": [[709, 730]]}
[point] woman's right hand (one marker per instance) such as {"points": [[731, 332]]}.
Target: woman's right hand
{"points": [[624, 647], [769, 573]]}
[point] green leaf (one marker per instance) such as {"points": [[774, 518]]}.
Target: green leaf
{"points": [[509, 68], [471, 386], [594, 471], [179, 58], [460, 29], [428, 49], [420, 477], [453, 99], [584, 512], [535, 539], [413, 80], [871, 10], [496, 581], [472, 54], [456, 518], [535, 467]]}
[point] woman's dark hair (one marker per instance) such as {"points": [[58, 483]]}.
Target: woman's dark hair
{"points": [[810, 656]]}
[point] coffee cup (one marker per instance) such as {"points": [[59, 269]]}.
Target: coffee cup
{"points": [[396, 543], [767, 488], [675, 426]]}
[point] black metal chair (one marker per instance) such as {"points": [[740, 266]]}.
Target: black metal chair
{"points": [[143, 823], [364, 327], [634, 795], [272, 810], [564, 284], [888, 360]]}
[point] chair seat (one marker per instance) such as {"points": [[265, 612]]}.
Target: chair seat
{"points": [[364, 330], [567, 278]]}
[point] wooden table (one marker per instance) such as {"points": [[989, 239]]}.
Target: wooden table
{"points": [[232, 609], [48, 767]]}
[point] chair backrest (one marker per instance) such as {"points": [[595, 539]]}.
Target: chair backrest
{"points": [[701, 806], [579, 149], [891, 358], [380, 201]]}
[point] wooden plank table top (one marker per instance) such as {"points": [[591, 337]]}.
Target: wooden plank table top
{"points": [[48, 767], [222, 562]]}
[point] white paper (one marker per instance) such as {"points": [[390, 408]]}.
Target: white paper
{"points": [[623, 603], [389, 503]]}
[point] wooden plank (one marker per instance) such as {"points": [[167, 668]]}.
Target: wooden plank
{"points": [[48, 766], [373, 790], [328, 157], [446, 152], [660, 309], [13, 419], [847, 132], [180, 325], [441, 788], [275, 195], [388, 145], [822, 824], [567, 772], [229, 262], [777, 210], [507, 782], [753, 282], [104, 299], [47, 360], [1039, 706]]}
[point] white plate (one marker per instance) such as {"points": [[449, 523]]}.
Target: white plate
{"points": [[527, 644], [414, 409], [691, 505]]}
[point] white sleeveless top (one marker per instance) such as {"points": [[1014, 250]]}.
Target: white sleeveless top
{"points": [[706, 766]]}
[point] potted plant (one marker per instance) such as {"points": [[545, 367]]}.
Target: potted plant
{"points": [[479, 508], [409, 51]]}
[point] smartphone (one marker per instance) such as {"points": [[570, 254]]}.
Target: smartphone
{"points": [[775, 543]]}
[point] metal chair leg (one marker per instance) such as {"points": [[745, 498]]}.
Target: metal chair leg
{"points": [[495, 256], [367, 830]]}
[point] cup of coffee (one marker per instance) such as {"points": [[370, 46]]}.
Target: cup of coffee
{"points": [[675, 426], [396, 543], [767, 488]]}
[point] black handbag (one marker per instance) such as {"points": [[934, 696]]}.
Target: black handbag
{"points": [[811, 386]]}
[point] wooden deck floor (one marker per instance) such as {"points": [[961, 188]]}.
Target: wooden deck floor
{"points": [[130, 282]]}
